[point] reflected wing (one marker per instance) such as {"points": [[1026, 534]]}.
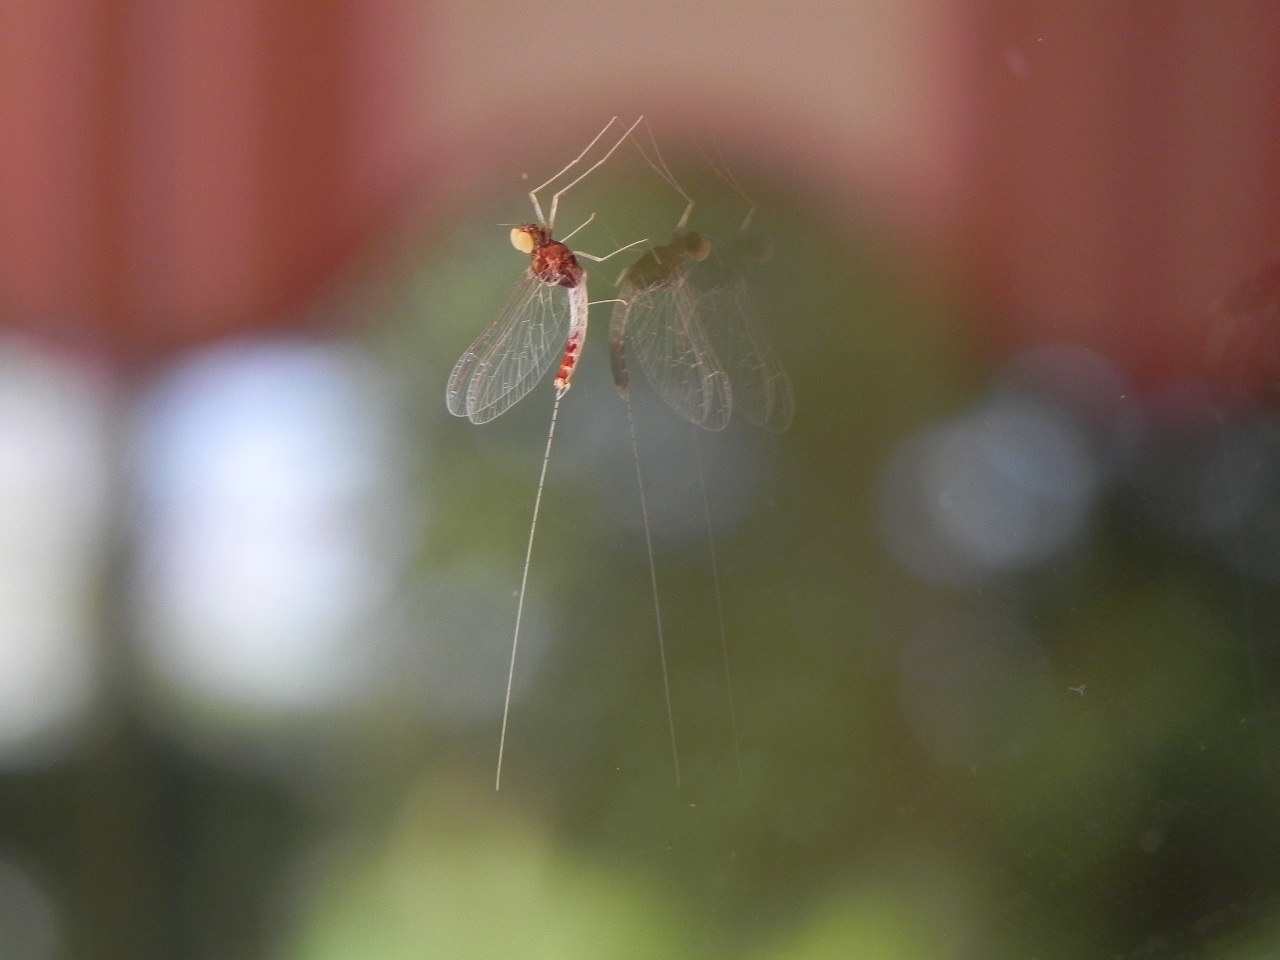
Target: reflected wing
{"points": [[512, 354], [661, 327], [762, 390]]}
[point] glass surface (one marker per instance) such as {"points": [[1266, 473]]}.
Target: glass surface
{"points": [[963, 646]]}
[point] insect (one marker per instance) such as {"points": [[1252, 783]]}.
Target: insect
{"points": [[546, 309], [545, 313]]}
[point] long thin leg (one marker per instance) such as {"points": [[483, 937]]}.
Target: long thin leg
{"points": [[593, 257], [555, 199], [661, 169], [533, 194], [722, 170], [569, 235]]}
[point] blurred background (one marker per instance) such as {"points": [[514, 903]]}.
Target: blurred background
{"points": [[999, 610]]}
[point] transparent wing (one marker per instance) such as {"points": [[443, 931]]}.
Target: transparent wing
{"points": [[513, 353], [661, 328], [762, 391]]}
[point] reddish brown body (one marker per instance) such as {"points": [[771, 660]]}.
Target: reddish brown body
{"points": [[551, 261], [572, 350]]}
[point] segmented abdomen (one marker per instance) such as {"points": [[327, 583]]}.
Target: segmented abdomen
{"points": [[577, 331]]}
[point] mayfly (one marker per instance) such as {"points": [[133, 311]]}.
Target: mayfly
{"points": [[656, 316], [545, 315]]}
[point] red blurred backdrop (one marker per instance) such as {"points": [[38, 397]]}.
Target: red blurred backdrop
{"points": [[176, 172], [1127, 177]]}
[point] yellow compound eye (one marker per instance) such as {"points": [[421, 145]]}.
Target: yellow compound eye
{"points": [[522, 239]]}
